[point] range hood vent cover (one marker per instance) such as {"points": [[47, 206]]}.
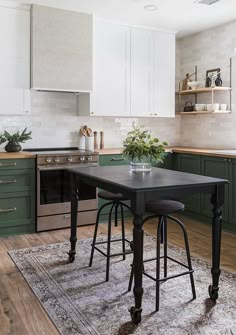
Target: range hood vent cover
{"points": [[206, 2]]}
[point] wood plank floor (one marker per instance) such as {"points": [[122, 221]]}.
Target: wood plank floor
{"points": [[21, 312]]}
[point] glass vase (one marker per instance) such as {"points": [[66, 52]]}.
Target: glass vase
{"points": [[143, 165]]}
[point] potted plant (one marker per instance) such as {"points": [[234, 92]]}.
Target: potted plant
{"points": [[14, 140], [142, 149]]}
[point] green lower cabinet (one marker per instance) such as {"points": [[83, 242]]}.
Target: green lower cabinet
{"points": [[232, 194], [216, 167], [190, 164], [17, 196], [167, 162]]}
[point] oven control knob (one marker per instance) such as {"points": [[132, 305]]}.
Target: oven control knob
{"points": [[82, 158], [56, 160], [48, 160], [90, 158], [69, 159]]}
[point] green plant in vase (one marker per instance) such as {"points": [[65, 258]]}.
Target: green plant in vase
{"points": [[15, 139], [142, 149]]}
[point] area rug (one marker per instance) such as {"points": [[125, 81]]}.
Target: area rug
{"points": [[80, 302]]}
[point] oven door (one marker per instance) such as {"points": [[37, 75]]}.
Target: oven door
{"points": [[54, 190]]}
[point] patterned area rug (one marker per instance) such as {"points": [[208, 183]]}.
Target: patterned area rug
{"points": [[80, 302]]}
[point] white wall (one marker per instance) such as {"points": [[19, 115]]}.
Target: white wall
{"points": [[54, 122], [208, 50]]}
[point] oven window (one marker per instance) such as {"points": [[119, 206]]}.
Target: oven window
{"points": [[55, 188]]}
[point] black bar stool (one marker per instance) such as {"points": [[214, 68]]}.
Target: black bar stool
{"points": [[162, 209], [115, 201]]}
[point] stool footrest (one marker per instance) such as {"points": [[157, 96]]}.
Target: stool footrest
{"points": [[169, 277], [113, 255], [114, 240]]}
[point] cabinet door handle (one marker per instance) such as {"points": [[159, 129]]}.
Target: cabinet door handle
{"points": [[7, 210], [7, 164], [67, 216], [225, 159], [229, 160], [117, 159], [8, 181]]}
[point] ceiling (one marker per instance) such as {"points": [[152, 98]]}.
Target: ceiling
{"points": [[183, 16]]}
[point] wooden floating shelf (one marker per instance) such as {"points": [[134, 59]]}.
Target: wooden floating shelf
{"points": [[205, 90], [205, 112]]}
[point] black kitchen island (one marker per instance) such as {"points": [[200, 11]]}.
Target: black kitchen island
{"points": [[142, 187]]}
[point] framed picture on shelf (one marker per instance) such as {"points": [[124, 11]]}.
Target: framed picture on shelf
{"points": [[210, 74]]}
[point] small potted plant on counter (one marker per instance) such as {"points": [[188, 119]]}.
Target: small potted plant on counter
{"points": [[14, 140], [142, 149]]}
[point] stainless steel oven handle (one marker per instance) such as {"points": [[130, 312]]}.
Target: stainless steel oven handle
{"points": [[64, 167]]}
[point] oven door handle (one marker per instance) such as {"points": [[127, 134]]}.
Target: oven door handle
{"points": [[64, 167]]}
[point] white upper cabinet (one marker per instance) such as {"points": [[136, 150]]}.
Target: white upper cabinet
{"points": [[15, 60], [142, 43], [164, 74], [111, 95], [134, 72], [62, 49]]}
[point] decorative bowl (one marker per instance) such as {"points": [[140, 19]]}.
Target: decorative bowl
{"points": [[195, 84]]}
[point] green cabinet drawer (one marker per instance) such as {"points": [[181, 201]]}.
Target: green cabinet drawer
{"points": [[15, 164], [113, 160], [15, 181], [16, 209]]}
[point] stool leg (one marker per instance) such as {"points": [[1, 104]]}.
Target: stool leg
{"points": [[116, 214], [123, 230], [165, 245], [95, 232], [109, 242], [159, 233], [187, 253]]}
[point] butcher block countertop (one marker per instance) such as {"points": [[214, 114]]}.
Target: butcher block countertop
{"points": [[15, 155], [187, 150]]}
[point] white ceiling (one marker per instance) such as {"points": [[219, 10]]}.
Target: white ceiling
{"points": [[183, 16]]}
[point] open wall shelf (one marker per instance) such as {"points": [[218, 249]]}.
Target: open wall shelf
{"points": [[205, 90], [211, 90], [205, 112]]}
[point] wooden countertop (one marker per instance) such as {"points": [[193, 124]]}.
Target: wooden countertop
{"points": [[14, 155], [188, 150]]}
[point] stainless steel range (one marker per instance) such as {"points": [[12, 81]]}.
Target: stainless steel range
{"points": [[53, 187]]}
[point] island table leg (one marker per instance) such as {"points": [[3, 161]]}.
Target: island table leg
{"points": [[217, 201], [74, 210]]}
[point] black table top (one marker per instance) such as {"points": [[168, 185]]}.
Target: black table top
{"points": [[157, 179]]}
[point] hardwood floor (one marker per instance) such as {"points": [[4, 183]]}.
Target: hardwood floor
{"points": [[20, 311]]}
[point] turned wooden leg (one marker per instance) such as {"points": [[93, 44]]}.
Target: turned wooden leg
{"points": [[217, 202], [74, 210], [136, 310]]}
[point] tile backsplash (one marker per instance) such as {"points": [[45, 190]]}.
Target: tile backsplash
{"points": [[54, 122]]}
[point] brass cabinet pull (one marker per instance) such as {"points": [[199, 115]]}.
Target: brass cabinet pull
{"points": [[7, 164], [7, 210], [117, 159], [8, 181]]}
